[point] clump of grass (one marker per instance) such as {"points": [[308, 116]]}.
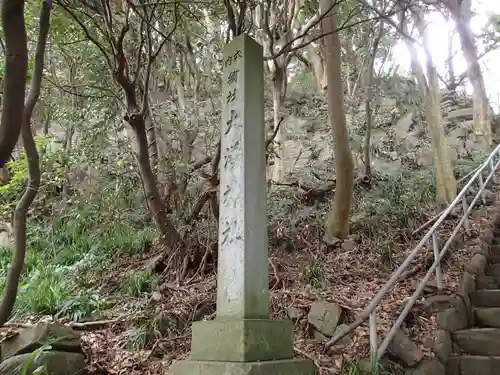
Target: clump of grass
{"points": [[139, 283], [315, 274], [44, 292]]}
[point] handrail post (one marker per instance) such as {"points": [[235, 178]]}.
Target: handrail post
{"points": [[465, 207], [372, 322], [439, 273], [481, 189]]}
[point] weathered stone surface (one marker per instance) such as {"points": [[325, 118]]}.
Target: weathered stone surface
{"points": [[434, 304], [348, 245], [476, 265], [318, 335], [479, 341], [477, 249], [284, 367], [443, 346], [427, 367], [242, 340], [495, 249], [493, 259], [54, 363], [295, 313], [452, 319], [487, 282], [476, 365], [325, 316], [453, 365], [60, 337], [405, 350], [493, 270], [486, 298], [488, 317], [462, 114]]}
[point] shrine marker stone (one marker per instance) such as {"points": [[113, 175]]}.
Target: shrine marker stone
{"points": [[242, 339]]}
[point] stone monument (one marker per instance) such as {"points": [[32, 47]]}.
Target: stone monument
{"points": [[242, 339]]}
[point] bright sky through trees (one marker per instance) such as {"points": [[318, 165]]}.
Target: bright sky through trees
{"points": [[438, 30]]}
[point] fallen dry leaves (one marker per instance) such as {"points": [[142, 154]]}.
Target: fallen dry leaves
{"points": [[353, 278]]}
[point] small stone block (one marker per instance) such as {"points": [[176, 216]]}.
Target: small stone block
{"points": [[284, 367], [242, 340], [476, 265], [474, 365]]}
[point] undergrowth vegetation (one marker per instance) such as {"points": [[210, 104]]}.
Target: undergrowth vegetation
{"points": [[85, 235]]}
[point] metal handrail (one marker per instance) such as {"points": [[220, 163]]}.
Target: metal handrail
{"points": [[377, 351]]}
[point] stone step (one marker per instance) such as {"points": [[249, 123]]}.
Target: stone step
{"points": [[487, 317], [495, 249], [494, 259], [487, 282], [493, 270], [472, 365], [479, 341], [485, 298]]}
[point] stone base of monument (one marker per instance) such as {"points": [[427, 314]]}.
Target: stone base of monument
{"points": [[252, 346], [282, 367]]}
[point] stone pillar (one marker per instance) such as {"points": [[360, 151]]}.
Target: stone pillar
{"points": [[242, 340]]}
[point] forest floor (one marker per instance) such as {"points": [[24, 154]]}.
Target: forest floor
{"points": [[143, 335]]}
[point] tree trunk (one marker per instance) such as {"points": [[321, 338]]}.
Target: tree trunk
{"points": [[21, 211], [279, 92], [446, 184], [14, 85], [369, 98], [482, 126], [156, 206], [337, 223], [318, 66]]}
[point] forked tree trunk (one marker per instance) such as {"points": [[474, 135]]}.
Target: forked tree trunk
{"points": [[337, 223], [446, 184], [21, 211], [16, 66]]}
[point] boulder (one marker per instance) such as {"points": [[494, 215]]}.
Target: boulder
{"points": [[405, 350], [295, 313], [52, 362], [60, 337], [325, 317], [428, 367]]}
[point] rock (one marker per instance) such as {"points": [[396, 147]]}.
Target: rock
{"points": [[53, 362], [295, 313], [165, 323], [428, 367], [488, 317], [5, 240], [348, 245], [156, 296], [479, 341], [156, 264], [462, 114], [452, 319], [325, 316], [346, 339], [476, 265], [443, 346], [487, 282], [332, 241], [405, 350], [60, 337], [318, 335], [434, 304]]}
